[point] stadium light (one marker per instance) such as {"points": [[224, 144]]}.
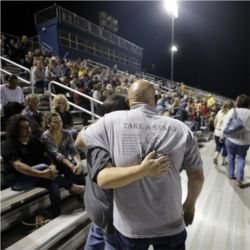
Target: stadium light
{"points": [[171, 7], [174, 48]]}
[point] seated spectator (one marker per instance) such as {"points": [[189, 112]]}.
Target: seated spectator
{"points": [[31, 111], [160, 104], [11, 92], [28, 59], [61, 106], [16, 53], [110, 89], [28, 160], [61, 147], [5, 48], [25, 44], [75, 80], [97, 94], [50, 72], [37, 75]]}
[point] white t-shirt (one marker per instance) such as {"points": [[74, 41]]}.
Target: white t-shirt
{"points": [[241, 137], [11, 95], [220, 117], [151, 207]]}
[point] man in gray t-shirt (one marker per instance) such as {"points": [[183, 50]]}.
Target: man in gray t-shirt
{"points": [[149, 208]]}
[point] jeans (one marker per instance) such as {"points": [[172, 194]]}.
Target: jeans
{"points": [[220, 146], [173, 242], [53, 187], [239, 152], [98, 240]]}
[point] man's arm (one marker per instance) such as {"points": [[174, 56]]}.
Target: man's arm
{"points": [[195, 183], [49, 173], [114, 177], [79, 142]]}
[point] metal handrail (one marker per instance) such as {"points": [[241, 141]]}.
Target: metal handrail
{"points": [[19, 66], [14, 63], [91, 99], [98, 64], [46, 47], [18, 77]]}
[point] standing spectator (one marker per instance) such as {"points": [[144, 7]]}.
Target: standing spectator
{"points": [[238, 143], [99, 202], [10, 92], [128, 136], [204, 114], [218, 122]]}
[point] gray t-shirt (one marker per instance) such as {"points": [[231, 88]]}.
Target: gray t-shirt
{"points": [[151, 207]]}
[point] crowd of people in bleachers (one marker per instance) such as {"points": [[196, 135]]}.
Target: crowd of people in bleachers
{"points": [[56, 128], [99, 82]]}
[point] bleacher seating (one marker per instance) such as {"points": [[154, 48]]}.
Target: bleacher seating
{"points": [[24, 205], [67, 231], [53, 232]]}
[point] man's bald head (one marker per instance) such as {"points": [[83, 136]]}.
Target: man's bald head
{"points": [[141, 91]]}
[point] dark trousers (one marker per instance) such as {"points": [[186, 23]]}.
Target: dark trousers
{"points": [[53, 187], [68, 174], [173, 242]]}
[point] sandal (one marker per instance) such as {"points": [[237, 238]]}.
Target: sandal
{"points": [[40, 220]]}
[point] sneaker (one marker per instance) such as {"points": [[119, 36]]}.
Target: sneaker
{"points": [[215, 161], [77, 189], [224, 163], [240, 184], [232, 177]]}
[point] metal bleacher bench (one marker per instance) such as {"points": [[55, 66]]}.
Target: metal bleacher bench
{"points": [[53, 233], [16, 204], [23, 204], [9, 197]]}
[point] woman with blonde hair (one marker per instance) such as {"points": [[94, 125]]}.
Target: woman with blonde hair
{"points": [[238, 142], [218, 122], [60, 105]]}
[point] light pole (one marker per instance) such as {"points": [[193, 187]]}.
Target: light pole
{"points": [[172, 8]]}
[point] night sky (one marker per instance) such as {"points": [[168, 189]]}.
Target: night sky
{"points": [[213, 37]]}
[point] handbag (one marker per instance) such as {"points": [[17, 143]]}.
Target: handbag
{"points": [[234, 125]]}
